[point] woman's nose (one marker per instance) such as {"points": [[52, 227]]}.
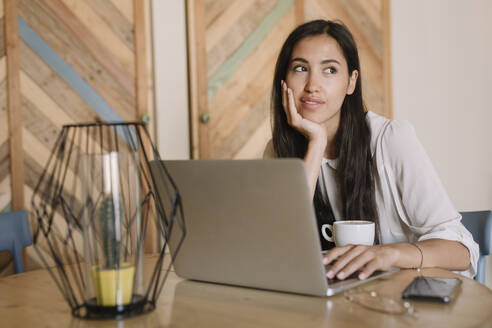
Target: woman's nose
{"points": [[312, 84]]}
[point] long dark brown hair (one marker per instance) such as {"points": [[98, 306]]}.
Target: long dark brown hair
{"points": [[355, 168]]}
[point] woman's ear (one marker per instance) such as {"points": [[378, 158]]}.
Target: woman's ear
{"points": [[352, 82]]}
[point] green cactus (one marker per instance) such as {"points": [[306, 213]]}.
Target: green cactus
{"points": [[111, 246]]}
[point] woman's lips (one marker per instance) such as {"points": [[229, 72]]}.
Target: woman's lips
{"points": [[311, 103]]}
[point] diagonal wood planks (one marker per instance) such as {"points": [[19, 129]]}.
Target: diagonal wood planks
{"points": [[230, 30], [240, 71], [47, 25], [122, 69], [248, 84], [76, 62]]}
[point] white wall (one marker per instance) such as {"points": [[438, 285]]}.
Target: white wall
{"points": [[442, 82], [171, 79]]}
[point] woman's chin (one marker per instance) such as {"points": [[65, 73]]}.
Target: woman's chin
{"points": [[320, 117], [313, 116]]}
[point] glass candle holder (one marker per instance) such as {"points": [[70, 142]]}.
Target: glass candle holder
{"points": [[95, 206]]}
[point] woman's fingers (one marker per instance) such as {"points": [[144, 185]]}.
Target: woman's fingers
{"points": [[340, 267], [294, 115], [367, 259], [288, 102], [336, 252], [308, 128], [285, 102], [369, 269], [356, 263]]}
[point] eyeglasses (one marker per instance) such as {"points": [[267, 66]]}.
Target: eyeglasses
{"points": [[382, 303]]}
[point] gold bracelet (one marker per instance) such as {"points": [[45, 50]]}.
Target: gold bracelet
{"points": [[421, 257]]}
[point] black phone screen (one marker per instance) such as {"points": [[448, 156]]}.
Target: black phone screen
{"points": [[432, 289]]}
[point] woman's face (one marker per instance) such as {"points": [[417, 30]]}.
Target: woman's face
{"points": [[318, 76]]}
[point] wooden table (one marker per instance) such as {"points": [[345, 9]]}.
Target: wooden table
{"points": [[31, 300]]}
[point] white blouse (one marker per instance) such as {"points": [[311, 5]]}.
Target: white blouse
{"points": [[411, 201]]}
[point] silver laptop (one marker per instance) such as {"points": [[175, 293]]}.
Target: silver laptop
{"points": [[251, 223]]}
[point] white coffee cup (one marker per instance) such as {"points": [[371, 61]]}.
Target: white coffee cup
{"points": [[353, 232]]}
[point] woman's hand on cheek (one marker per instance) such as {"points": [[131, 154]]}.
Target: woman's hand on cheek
{"points": [[309, 129], [366, 259]]}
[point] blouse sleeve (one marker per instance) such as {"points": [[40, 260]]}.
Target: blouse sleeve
{"points": [[425, 206]]}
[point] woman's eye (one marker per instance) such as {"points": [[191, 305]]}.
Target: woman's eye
{"points": [[300, 68], [330, 70]]}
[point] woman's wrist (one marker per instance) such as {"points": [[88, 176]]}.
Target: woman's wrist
{"points": [[318, 144], [407, 255]]}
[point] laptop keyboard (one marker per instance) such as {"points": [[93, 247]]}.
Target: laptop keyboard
{"points": [[352, 276], [335, 279]]}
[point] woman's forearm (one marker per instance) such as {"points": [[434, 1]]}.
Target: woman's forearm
{"points": [[446, 254], [312, 161]]}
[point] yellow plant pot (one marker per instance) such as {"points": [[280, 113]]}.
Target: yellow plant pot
{"points": [[113, 287]]}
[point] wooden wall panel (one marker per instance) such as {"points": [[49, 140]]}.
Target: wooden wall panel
{"points": [[2, 35], [242, 40], [364, 18], [116, 58], [77, 56], [247, 86], [229, 31], [116, 21], [14, 115], [5, 191], [42, 78], [125, 7], [77, 63]]}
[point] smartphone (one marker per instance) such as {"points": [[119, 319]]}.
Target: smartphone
{"points": [[442, 290]]}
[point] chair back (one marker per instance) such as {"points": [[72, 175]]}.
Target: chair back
{"points": [[15, 235], [479, 223]]}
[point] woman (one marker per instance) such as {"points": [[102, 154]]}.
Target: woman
{"points": [[361, 165]]}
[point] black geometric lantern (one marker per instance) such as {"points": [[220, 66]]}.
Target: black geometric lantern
{"points": [[93, 203]]}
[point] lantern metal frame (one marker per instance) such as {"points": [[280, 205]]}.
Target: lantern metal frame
{"points": [[57, 195]]}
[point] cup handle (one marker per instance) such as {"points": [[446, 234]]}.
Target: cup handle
{"points": [[325, 235]]}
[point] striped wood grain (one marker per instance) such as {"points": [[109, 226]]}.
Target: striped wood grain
{"points": [[3, 109], [3, 112], [5, 185], [248, 84], [71, 52], [3, 68], [14, 105], [239, 80], [139, 7], [39, 124], [54, 86], [195, 10], [63, 42], [246, 128], [125, 7], [300, 11], [226, 34], [2, 36], [364, 19], [255, 145], [122, 69], [100, 30], [241, 43], [388, 81], [115, 20], [214, 8], [219, 25]]}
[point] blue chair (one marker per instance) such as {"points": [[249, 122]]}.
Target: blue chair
{"points": [[480, 225], [15, 235]]}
